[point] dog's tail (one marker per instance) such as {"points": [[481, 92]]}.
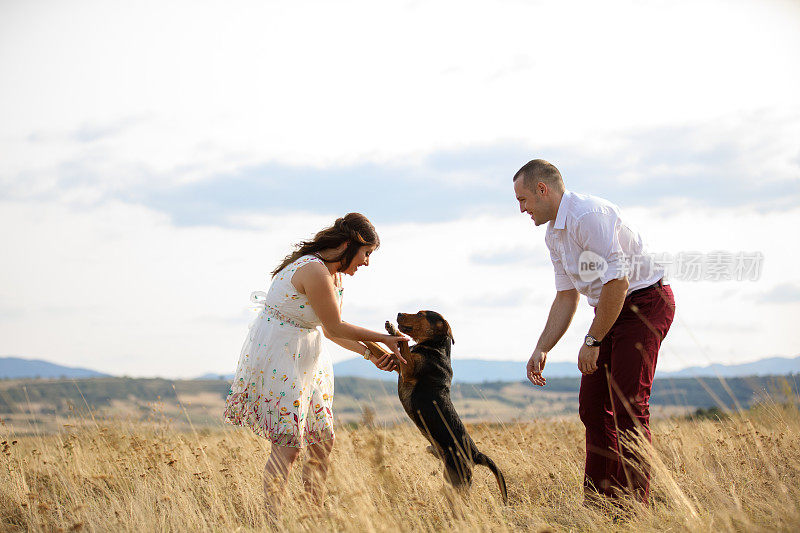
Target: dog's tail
{"points": [[484, 460]]}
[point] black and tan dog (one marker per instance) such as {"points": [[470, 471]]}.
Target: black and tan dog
{"points": [[424, 390]]}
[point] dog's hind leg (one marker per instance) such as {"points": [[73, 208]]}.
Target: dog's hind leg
{"points": [[457, 471], [481, 459]]}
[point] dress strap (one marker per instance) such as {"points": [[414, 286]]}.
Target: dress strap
{"points": [[307, 259]]}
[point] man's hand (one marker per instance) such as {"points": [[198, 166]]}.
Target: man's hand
{"points": [[561, 313], [587, 359], [535, 367]]}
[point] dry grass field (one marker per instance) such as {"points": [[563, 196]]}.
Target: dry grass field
{"points": [[740, 473]]}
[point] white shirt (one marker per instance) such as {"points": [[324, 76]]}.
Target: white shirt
{"points": [[590, 245]]}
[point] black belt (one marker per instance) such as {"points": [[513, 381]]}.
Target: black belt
{"points": [[659, 283]]}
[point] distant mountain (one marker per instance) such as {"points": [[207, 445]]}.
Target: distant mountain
{"points": [[464, 370], [481, 370], [16, 368], [210, 375], [771, 366]]}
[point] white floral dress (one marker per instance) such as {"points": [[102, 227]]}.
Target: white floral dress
{"points": [[283, 387]]}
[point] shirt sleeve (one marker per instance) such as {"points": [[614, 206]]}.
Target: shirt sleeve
{"points": [[598, 232], [563, 283]]}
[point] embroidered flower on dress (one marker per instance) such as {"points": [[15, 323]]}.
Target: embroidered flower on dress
{"points": [[259, 407]]}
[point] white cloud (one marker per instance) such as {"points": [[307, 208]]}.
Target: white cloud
{"points": [[118, 288], [109, 101], [199, 84]]}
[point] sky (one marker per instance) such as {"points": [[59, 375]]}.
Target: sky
{"points": [[157, 160]]}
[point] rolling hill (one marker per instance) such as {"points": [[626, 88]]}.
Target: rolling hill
{"points": [[481, 370], [464, 370], [17, 368]]}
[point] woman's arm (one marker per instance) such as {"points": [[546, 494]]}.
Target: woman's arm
{"points": [[382, 359], [314, 280]]}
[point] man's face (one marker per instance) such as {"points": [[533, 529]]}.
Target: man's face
{"points": [[531, 202]]}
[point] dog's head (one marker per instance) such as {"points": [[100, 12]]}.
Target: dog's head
{"points": [[424, 325]]}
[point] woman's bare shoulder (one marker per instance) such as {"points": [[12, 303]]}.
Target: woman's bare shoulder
{"points": [[310, 272]]}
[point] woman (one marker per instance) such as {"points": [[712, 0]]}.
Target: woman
{"points": [[283, 387]]}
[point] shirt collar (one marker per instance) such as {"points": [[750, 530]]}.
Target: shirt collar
{"points": [[561, 216]]}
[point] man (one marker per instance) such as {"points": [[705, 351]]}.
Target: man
{"points": [[596, 253]]}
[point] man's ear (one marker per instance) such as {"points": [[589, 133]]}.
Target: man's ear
{"points": [[542, 186]]}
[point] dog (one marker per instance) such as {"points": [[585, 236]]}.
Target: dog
{"points": [[424, 391]]}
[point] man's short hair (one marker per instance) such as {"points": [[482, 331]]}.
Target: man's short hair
{"points": [[540, 170]]}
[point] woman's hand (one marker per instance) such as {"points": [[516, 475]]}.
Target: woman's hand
{"points": [[384, 361], [392, 342]]}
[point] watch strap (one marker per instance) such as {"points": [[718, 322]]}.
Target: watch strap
{"points": [[591, 341]]}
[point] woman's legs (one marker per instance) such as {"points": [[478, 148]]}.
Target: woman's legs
{"points": [[315, 470], [276, 472]]}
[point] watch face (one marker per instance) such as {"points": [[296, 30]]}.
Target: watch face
{"points": [[590, 341]]}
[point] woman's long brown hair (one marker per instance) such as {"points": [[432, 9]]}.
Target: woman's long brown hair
{"points": [[354, 228]]}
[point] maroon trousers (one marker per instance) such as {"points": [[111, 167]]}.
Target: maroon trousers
{"points": [[616, 397]]}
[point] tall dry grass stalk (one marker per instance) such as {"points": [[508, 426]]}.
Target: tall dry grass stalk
{"points": [[738, 474]]}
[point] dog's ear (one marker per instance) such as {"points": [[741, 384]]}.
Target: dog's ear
{"points": [[445, 328]]}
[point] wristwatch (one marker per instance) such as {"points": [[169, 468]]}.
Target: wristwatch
{"points": [[591, 341], [367, 354]]}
